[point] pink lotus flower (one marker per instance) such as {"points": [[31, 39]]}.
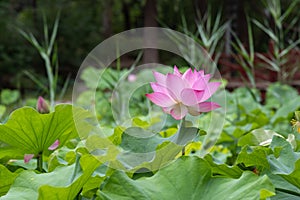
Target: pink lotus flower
{"points": [[54, 145], [28, 157], [179, 94], [42, 106]]}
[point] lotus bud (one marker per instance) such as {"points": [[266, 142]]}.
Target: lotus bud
{"points": [[54, 145], [132, 78], [42, 106], [28, 157]]}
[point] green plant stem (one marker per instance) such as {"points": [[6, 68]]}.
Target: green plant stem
{"points": [[46, 52], [50, 80], [182, 125], [40, 162], [78, 196], [183, 151]]}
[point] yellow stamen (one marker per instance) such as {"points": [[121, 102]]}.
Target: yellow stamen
{"points": [[296, 125]]}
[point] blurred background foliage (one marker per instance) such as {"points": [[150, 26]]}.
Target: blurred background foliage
{"points": [[84, 24]]}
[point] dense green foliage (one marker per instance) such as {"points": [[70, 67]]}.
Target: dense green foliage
{"points": [[255, 157], [112, 142]]}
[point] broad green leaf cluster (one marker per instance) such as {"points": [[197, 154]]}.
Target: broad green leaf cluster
{"points": [[256, 156]]}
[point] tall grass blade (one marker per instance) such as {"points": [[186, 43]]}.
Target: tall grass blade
{"points": [[268, 31]]}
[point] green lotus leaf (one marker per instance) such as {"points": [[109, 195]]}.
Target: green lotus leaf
{"points": [[294, 177], [187, 178], [31, 132], [283, 159], [9, 96], [7, 178], [285, 190], [257, 137], [63, 183], [253, 157], [223, 169], [286, 109]]}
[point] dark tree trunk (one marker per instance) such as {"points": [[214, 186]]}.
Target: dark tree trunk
{"points": [[150, 55], [126, 13], [107, 18], [234, 11], [241, 27]]}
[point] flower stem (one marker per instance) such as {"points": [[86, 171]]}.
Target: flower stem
{"points": [[50, 80], [182, 126], [40, 162], [183, 151]]}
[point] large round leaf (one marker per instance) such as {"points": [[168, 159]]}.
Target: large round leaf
{"points": [[63, 183], [32, 132], [187, 178]]}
